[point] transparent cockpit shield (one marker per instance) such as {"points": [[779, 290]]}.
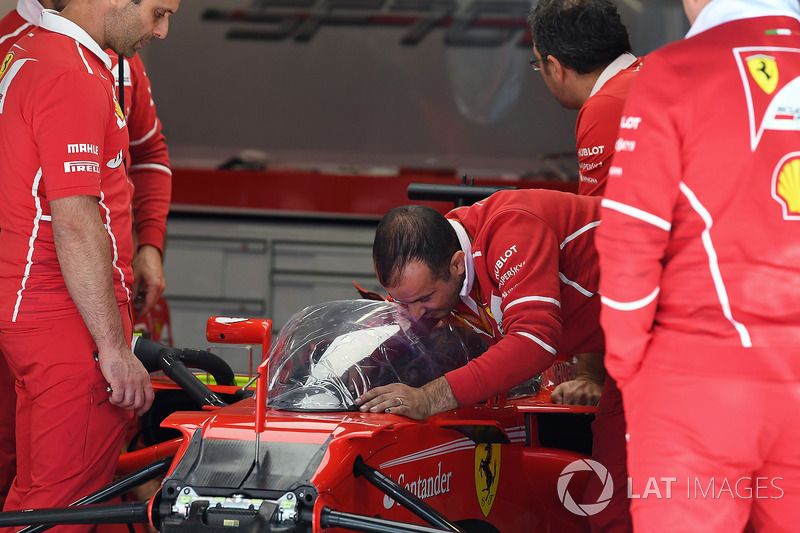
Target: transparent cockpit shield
{"points": [[329, 354]]}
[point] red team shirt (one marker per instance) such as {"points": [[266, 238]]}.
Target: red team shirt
{"points": [[148, 168], [596, 133], [598, 123], [699, 250], [532, 280], [65, 145], [148, 164]]}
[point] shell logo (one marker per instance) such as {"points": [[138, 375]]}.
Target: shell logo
{"points": [[764, 71], [786, 186]]}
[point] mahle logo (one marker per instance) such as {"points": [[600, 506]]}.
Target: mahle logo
{"points": [[586, 509]]}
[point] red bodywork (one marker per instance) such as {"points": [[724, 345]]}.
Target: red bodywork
{"points": [[483, 467]]}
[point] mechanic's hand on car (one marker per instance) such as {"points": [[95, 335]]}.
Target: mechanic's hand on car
{"points": [[395, 398], [417, 403], [148, 279], [579, 391], [128, 380], [587, 386]]}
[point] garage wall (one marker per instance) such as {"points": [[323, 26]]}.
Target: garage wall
{"points": [[356, 85], [314, 82], [259, 267], [366, 84]]}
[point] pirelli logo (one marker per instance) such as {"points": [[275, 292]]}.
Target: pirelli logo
{"points": [[81, 166]]}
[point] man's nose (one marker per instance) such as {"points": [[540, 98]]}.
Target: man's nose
{"points": [[416, 310], [162, 28]]}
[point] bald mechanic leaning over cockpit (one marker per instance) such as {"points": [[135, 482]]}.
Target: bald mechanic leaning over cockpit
{"points": [[519, 267]]}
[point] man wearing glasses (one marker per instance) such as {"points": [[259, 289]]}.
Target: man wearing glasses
{"points": [[582, 50], [584, 55]]}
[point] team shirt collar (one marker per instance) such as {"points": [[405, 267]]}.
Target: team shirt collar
{"points": [[30, 10], [466, 246], [54, 22], [624, 61], [721, 11]]}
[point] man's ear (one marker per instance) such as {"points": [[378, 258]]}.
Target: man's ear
{"points": [[556, 68], [457, 265]]}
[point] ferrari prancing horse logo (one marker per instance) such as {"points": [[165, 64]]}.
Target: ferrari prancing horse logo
{"points": [[764, 71], [487, 474], [6, 62]]}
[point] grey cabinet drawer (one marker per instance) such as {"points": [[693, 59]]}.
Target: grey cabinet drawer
{"points": [[315, 257], [215, 268]]}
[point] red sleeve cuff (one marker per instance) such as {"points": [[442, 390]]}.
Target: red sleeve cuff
{"points": [[151, 235]]}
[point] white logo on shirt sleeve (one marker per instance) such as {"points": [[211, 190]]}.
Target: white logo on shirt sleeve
{"points": [[81, 166], [117, 161], [82, 148]]}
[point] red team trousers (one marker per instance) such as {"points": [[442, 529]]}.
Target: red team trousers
{"points": [[8, 405], [68, 435], [705, 452], [608, 449]]}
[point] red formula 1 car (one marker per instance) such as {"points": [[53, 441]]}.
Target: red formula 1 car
{"points": [[298, 456]]}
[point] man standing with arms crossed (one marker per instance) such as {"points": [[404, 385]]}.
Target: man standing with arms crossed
{"points": [[149, 170], [699, 273], [66, 246]]}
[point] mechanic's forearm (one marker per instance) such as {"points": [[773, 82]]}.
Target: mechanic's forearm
{"points": [[503, 366], [151, 250], [151, 199], [439, 396], [590, 366], [84, 254], [148, 279]]}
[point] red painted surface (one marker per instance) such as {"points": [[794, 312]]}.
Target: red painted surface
{"points": [[445, 460], [295, 192], [411, 452]]}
